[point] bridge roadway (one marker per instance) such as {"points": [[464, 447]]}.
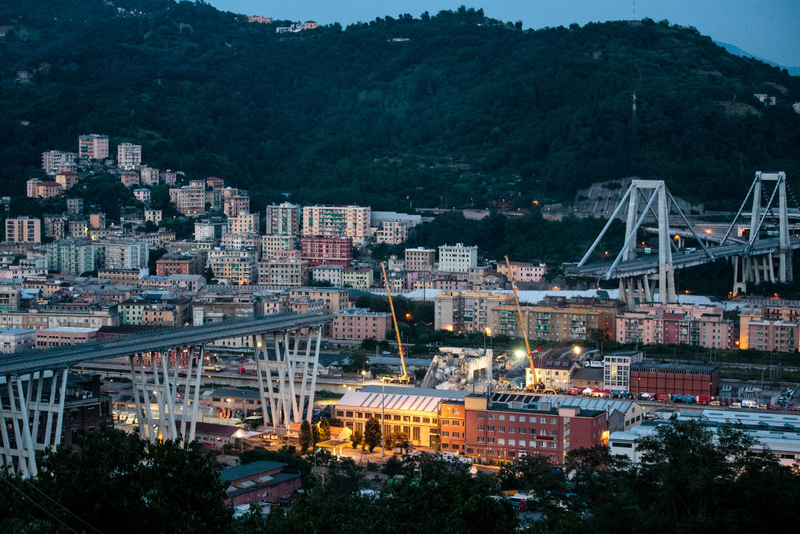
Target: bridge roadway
{"points": [[649, 264], [58, 358]]}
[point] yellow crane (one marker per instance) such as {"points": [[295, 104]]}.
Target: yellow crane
{"points": [[404, 378], [536, 383]]}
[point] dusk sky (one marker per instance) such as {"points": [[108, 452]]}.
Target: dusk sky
{"points": [[769, 29]]}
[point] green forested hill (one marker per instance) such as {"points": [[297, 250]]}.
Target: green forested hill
{"points": [[452, 109]]}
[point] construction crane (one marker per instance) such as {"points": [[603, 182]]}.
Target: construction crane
{"points": [[668, 398], [536, 384], [404, 378]]}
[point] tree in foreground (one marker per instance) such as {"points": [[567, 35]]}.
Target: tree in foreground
{"points": [[306, 437], [693, 478], [119, 483], [324, 429], [372, 433], [356, 438]]}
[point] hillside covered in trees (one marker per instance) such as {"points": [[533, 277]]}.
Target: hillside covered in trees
{"points": [[452, 109]]}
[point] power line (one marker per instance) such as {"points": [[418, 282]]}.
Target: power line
{"points": [[63, 507], [5, 479]]}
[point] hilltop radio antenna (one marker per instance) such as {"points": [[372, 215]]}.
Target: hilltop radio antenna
{"points": [[634, 9]]}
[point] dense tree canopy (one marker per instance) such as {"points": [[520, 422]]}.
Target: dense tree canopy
{"points": [[449, 110]]}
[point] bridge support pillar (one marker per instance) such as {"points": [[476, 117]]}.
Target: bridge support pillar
{"points": [[30, 403], [287, 403], [159, 421]]}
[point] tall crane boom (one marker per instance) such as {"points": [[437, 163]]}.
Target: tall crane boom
{"points": [[394, 319], [522, 323]]}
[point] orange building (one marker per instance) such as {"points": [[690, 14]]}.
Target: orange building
{"points": [[453, 422]]}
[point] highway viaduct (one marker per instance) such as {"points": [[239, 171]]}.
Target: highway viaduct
{"points": [[33, 383]]}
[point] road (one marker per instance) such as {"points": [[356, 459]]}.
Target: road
{"points": [[41, 360]]}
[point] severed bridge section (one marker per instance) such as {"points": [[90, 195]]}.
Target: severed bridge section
{"points": [[643, 273], [33, 384]]}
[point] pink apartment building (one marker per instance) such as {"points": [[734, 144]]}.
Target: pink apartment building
{"points": [[671, 324], [361, 323], [524, 272]]}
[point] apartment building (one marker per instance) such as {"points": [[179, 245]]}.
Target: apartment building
{"points": [[74, 206], [48, 189], [392, 232], [243, 223], [772, 334], [215, 182], [271, 244], [250, 242], [664, 324], [93, 146], [327, 250], [524, 273], [154, 216], [466, 311], [457, 258], [126, 254], [129, 179], [283, 219], [420, 259], [142, 195], [54, 161], [335, 299], [338, 222], [328, 273], [361, 323], [24, 230], [787, 314], [66, 179], [30, 187], [236, 205], [546, 323], [129, 156], [155, 309], [210, 230], [148, 175], [289, 273], [97, 220], [189, 200], [237, 267], [55, 226], [130, 277], [73, 256], [181, 263], [9, 298], [357, 278]]}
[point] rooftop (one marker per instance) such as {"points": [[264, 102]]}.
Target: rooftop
{"points": [[674, 366], [246, 470], [392, 401]]}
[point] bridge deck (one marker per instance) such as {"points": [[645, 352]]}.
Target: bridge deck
{"points": [[40, 360], [649, 264]]}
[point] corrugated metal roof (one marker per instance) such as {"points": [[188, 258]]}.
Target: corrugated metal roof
{"points": [[392, 401], [584, 403]]}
